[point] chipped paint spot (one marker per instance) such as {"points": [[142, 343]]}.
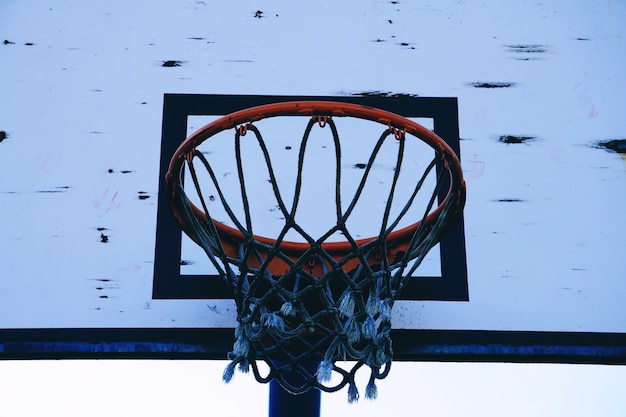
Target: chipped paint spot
{"points": [[513, 139], [527, 49], [492, 84], [383, 94], [171, 64], [509, 200], [613, 145]]}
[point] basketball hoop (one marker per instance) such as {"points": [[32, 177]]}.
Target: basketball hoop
{"points": [[316, 300]]}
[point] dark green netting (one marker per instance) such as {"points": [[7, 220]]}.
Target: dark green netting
{"points": [[289, 321]]}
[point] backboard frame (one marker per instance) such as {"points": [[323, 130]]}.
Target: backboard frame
{"points": [[169, 283]]}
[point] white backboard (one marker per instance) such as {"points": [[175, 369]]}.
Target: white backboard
{"points": [[539, 89]]}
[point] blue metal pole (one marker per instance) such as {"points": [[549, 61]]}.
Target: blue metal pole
{"points": [[285, 404]]}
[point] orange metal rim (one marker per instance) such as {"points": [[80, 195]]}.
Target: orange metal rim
{"points": [[399, 125]]}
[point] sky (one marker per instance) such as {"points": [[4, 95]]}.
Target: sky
{"points": [[194, 388], [81, 104]]}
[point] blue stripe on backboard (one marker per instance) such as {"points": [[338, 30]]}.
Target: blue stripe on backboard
{"points": [[409, 345]]}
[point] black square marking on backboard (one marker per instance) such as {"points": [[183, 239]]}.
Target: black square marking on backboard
{"points": [[168, 283]]}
